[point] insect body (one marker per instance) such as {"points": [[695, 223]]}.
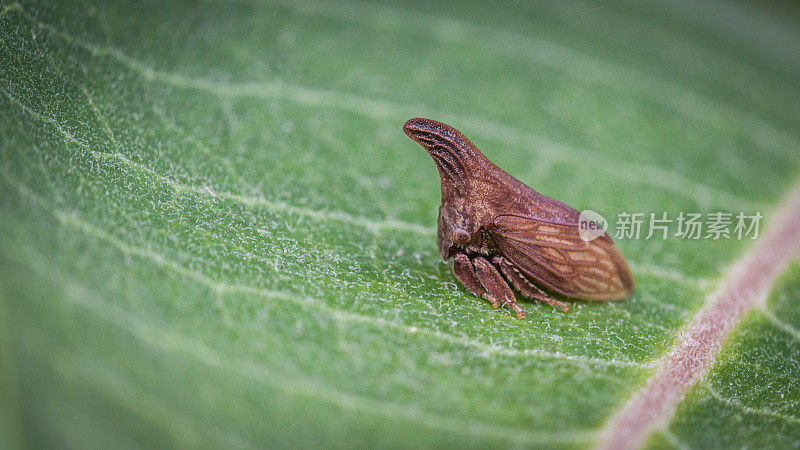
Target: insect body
{"points": [[501, 233]]}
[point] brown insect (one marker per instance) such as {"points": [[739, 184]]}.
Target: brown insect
{"points": [[501, 232]]}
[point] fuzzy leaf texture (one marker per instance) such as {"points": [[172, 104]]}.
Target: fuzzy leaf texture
{"points": [[213, 232]]}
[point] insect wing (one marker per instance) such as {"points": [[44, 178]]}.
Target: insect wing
{"points": [[554, 254]]}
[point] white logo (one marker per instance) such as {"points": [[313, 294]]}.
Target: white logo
{"points": [[591, 225]]}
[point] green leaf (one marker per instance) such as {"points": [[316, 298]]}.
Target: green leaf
{"points": [[215, 234], [750, 398]]}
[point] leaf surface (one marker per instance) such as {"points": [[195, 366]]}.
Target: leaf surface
{"points": [[751, 385], [215, 233]]}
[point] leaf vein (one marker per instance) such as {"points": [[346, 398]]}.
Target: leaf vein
{"points": [[159, 337], [671, 94], [785, 327], [765, 412], [373, 226], [648, 174], [490, 349]]}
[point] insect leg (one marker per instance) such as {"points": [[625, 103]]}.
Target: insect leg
{"points": [[523, 285], [497, 290], [465, 273]]}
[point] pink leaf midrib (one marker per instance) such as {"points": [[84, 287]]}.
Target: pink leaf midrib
{"points": [[746, 286]]}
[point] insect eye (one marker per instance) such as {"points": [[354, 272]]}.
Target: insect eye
{"points": [[460, 236]]}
